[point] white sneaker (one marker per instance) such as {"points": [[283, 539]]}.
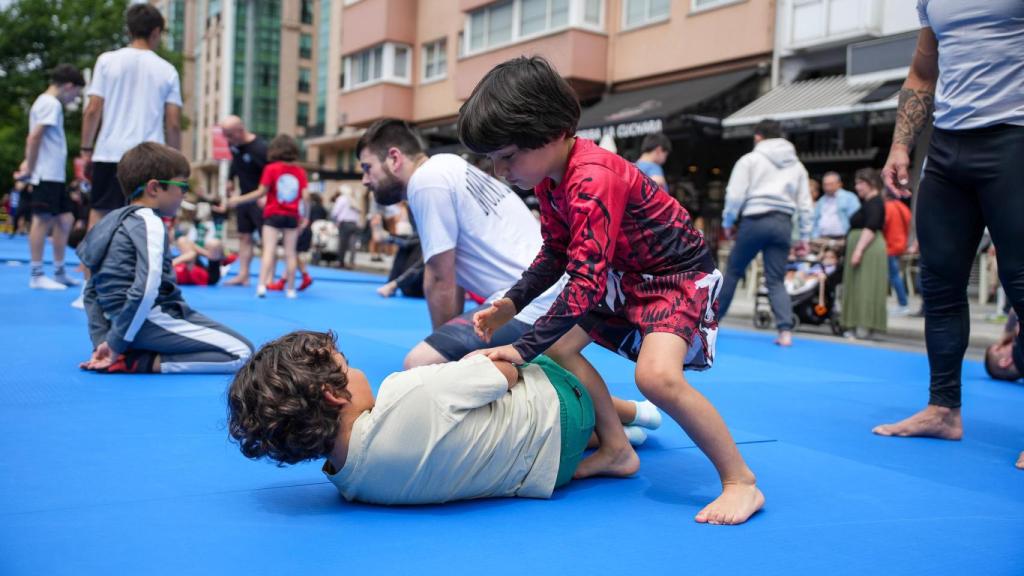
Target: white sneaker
{"points": [[904, 311], [647, 415], [261, 291], [291, 294], [45, 283], [79, 302], [67, 280], [635, 434]]}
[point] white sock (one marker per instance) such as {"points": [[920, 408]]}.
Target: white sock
{"points": [[635, 435], [647, 415]]}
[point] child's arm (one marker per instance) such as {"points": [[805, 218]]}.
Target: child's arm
{"points": [[98, 323], [597, 202], [256, 194], [147, 236]]}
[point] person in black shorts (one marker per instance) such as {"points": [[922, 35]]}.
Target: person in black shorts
{"points": [[248, 158]]}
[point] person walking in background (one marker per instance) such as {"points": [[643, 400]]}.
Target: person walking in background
{"points": [[865, 286], [897, 230], [346, 215], [248, 158], [767, 187], [654, 151]]}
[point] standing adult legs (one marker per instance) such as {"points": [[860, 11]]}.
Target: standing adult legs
{"points": [[779, 230], [748, 243]]}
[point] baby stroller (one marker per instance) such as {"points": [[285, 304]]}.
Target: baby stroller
{"points": [[812, 284]]}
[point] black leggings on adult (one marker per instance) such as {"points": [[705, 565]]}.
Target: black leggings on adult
{"points": [[972, 179]]}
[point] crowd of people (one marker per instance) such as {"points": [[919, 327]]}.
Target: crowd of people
{"points": [[498, 400]]}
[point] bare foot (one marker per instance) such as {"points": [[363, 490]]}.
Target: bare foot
{"points": [[785, 338], [606, 462], [1020, 461], [737, 503], [237, 281], [932, 422]]}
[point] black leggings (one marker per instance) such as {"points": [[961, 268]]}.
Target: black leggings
{"points": [[972, 179]]}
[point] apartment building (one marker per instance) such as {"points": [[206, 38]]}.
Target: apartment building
{"points": [[838, 67]]}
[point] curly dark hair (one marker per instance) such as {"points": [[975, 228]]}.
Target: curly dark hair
{"points": [[276, 405], [283, 148]]}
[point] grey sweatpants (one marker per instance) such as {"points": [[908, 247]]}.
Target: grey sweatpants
{"points": [[189, 342]]}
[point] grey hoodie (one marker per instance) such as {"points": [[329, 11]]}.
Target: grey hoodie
{"points": [[127, 255], [769, 179]]}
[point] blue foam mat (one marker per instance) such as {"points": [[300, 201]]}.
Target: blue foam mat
{"points": [[134, 474]]}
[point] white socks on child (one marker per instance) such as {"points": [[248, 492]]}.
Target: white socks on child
{"points": [[635, 434], [647, 415]]}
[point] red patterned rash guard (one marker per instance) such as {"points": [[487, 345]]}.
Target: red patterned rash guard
{"points": [[604, 215]]}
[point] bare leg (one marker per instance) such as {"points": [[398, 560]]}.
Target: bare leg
{"points": [[659, 375], [291, 237], [61, 229], [37, 235], [1020, 461], [932, 422], [244, 260], [614, 457], [422, 354], [95, 216], [269, 261]]}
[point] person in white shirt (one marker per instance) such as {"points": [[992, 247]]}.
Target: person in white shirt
{"points": [[476, 234], [136, 96], [346, 215], [474, 428], [45, 167]]}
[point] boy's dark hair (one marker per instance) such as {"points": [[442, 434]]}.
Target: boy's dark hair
{"points": [[283, 148], [997, 372], [65, 73], [522, 101], [390, 133], [276, 405], [871, 176], [142, 19], [768, 129], [652, 142], [150, 161]]}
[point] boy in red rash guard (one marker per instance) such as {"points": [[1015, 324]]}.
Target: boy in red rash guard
{"points": [[642, 282]]}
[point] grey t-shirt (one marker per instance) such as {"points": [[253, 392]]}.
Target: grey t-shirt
{"points": [[981, 61]]}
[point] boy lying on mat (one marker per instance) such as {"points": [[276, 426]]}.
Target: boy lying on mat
{"points": [[474, 428]]}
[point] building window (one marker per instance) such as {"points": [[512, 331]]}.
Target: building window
{"points": [[435, 60], [700, 5], [302, 114], [304, 80], [643, 12], [307, 11], [516, 20], [306, 46], [387, 62]]}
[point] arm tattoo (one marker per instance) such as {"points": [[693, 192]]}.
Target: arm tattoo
{"points": [[912, 114]]}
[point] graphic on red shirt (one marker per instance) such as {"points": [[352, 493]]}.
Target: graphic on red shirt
{"points": [[604, 215], [285, 183]]}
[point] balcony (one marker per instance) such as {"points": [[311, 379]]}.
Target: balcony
{"points": [[372, 22], [579, 55], [821, 23], [364, 105]]}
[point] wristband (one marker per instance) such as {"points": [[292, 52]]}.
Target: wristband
{"points": [[85, 149]]}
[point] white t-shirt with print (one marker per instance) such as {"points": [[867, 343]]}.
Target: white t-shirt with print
{"points": [[494, 235], [51, 162], [454, 431], [135, 85]]}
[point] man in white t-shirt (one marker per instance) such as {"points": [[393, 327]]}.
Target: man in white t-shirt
{"points": [[45, 167], [475, 428], [136, 96], [476, 235]]}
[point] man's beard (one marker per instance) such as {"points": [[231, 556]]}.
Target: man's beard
{"points": [[389, 191]]}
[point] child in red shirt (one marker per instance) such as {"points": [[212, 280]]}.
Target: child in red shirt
{"points": [[284, 184], [641, 279]]}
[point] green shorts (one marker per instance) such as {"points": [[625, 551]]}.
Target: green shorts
{"points": [[576, 412]]}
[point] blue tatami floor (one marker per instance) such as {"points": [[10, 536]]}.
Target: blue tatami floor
{"points": [[135, 474]]}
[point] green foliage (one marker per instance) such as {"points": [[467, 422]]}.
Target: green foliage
{"points": [[36, 36]]}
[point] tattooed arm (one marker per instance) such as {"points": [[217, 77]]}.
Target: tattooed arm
{"points": [[916, 103]]}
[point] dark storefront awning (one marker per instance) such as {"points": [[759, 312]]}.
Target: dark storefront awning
{"points": [[810, 99], [643, 111]]}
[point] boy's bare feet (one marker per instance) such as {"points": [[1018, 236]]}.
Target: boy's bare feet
{"points": [[608, 462], [737, 503], [237, 281], [785, 338], [1020, 461], [932, 422]]}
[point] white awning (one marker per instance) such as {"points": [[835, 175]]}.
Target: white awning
{"points": [[830, 96]]}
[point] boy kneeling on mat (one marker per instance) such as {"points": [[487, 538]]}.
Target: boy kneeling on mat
{"points": [[474, 428], [138, 320]]}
